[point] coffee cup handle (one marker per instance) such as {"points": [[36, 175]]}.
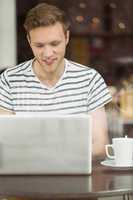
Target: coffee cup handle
{"points": [[107, 147]]}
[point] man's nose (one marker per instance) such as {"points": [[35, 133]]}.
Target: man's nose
{"points": [[47, 52]]}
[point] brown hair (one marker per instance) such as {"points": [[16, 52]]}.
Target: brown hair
{"points": [[44, 15]]}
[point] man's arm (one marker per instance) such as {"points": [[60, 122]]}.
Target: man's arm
{"points": [[5, 112], [99, 133]]}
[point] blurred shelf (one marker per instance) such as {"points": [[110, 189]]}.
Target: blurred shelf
{"points": [[128, 122], [103, 34]]}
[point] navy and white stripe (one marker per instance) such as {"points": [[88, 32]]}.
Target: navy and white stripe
{"points": [[80, 89]]}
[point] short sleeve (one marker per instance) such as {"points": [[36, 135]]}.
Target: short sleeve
{"points": [[5, 93], [98, 94]]}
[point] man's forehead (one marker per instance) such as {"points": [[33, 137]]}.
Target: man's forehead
{"points": [[58, 27]]}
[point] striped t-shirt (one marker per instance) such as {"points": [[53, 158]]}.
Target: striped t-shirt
{"points": [[79, 90]]}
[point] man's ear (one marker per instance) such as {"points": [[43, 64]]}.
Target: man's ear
{"points": [[28, 38], [67, 36]]}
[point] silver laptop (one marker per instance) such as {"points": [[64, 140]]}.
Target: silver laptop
{"points": [[45, 144]]}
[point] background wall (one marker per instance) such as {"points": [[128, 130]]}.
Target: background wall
{"points": [[8, 51]]}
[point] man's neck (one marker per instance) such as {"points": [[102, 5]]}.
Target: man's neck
{"points": [[49, 79]]}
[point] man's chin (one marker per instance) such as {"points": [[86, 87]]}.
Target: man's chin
{"points": [[49, 68]]}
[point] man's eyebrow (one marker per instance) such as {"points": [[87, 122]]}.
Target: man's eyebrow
{"points": [[38, 43], [55, 41], [51, 42]]}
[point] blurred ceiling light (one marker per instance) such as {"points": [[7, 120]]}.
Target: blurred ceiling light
{"points": [[113, 5], [95, 20], [79, 18], [124, 60], [122, 25], [82, 5]]}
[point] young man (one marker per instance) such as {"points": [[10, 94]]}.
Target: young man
{"points": [[51, 84]]}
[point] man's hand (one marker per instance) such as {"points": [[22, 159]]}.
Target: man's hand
{"points": [[5, 112], [99, 133]]}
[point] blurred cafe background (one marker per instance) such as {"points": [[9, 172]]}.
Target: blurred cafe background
{"points": [[101, 37]]}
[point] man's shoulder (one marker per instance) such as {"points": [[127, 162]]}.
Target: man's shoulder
{"points": [[18, 69], [75, 66]]}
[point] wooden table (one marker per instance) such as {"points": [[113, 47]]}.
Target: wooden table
{"points": [[103, 182]]}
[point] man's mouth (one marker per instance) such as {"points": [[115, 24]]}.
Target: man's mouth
{"points": [[49, 62]]}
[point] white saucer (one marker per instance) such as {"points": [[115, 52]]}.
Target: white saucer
{"points": [[111, 163]]}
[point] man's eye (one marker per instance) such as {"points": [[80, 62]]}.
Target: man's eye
{"points": [[55, 43], [39, 46]]}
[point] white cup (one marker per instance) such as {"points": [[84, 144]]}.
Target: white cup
{"points": [[123, 151]]}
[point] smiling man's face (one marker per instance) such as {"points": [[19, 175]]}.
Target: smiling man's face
{"points": [[49, 45]]}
